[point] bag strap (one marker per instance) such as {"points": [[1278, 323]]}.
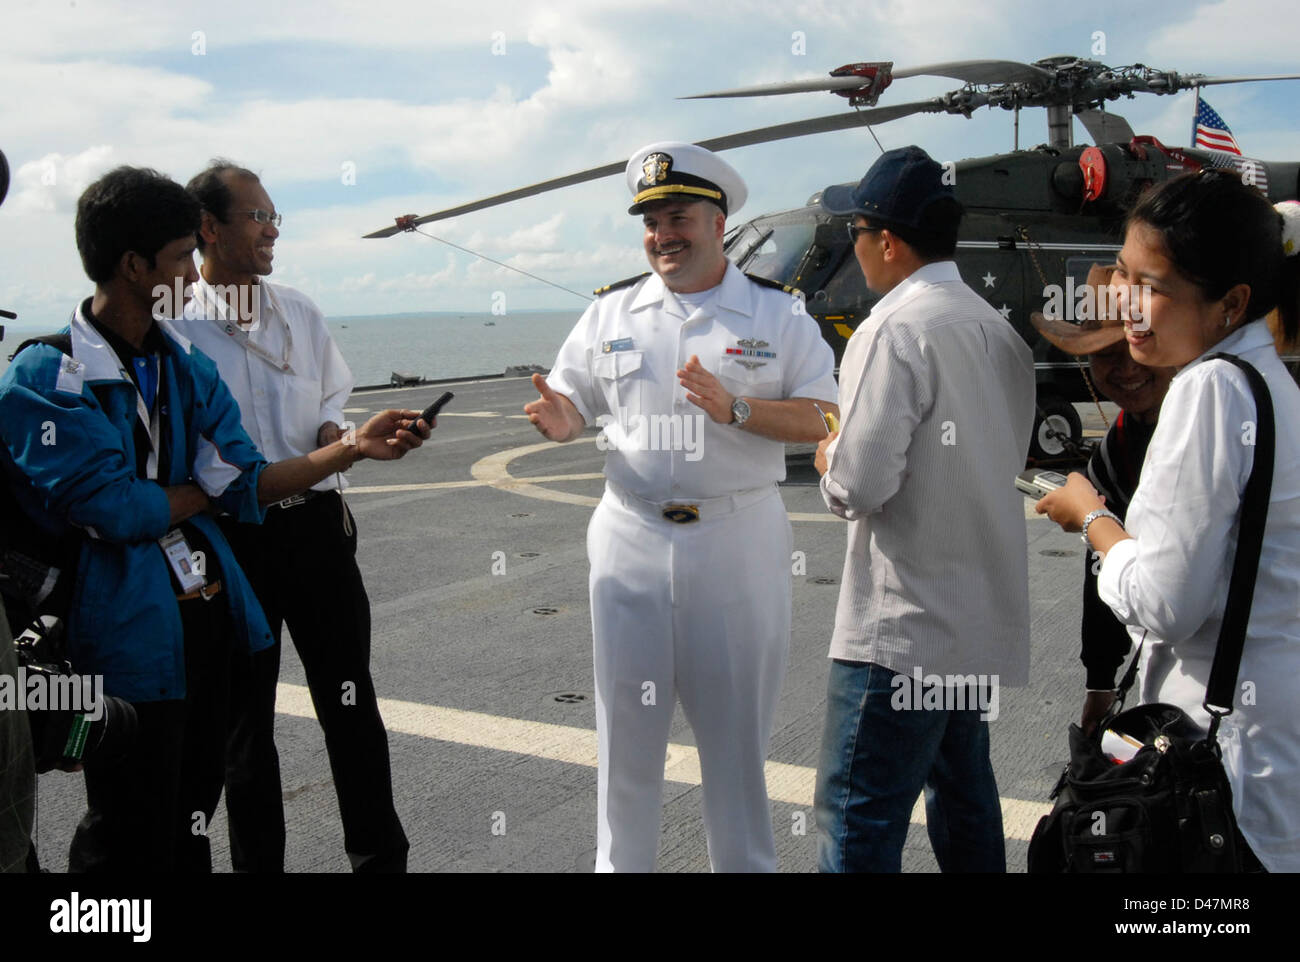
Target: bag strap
{"points": [[1131, 672], [1221, 687], [61, 342], [1222, 684]]}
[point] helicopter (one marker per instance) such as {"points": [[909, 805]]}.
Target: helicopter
{"points": [[1036, 219]]}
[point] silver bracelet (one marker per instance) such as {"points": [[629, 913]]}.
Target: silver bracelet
{"points": [[1092, 516]]}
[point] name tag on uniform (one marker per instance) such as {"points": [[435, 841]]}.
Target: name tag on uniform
{"points": [[622, 344], [179, 556]]}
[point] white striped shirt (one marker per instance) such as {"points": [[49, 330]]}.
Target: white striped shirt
{"points": [[937, 395]]}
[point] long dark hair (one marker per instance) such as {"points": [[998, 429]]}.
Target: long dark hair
{"points": [[1220, 233]]}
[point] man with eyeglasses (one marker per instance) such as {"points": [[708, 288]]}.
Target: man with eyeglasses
{"points": [[937, 391], [275, 353], [117, 438]]}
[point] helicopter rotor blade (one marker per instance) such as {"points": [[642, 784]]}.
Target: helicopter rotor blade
{"points": [[1197, 80], [595, 173], [762, 135], [819, 125], [787, 87], [980, 71], [968, 71]]}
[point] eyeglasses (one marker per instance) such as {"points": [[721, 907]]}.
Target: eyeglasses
{"points": [[855, 230], [263, 216]]}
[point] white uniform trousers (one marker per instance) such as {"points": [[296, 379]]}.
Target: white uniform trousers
{"points": [[699, 611]]}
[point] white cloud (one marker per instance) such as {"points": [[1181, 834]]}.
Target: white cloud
{"points": [[54, 182], [1239, 33], [119, 74]]}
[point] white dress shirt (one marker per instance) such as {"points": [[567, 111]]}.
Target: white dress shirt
{"points": [[619, 367], [937, 402], [285, 371], [1171, 578]]}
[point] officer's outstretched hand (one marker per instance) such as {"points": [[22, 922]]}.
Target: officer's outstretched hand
{"points": [[390, 434], [706, 391], [553, 414]]}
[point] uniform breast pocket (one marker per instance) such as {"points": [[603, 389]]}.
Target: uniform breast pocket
{"points": [[618, 377], [751, 377]]}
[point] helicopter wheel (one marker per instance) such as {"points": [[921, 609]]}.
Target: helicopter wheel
{"points": [[1055, 417]]}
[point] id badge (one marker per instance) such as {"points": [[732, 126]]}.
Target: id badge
{"points": [[179, 556]]}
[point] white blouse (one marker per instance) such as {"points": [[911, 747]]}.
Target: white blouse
{"points": [[1172, 579]]}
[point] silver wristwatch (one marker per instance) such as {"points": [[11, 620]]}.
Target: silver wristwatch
{"points": [[739, 411], [1092, 516]]}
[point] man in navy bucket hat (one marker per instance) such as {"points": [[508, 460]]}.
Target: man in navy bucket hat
{"points": [[937, 400]]}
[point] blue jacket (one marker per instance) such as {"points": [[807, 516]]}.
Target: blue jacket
{"points": [[69, 455]]}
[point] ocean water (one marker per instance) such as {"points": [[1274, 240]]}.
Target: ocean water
{"points": [[448, 344], [434, 345]]}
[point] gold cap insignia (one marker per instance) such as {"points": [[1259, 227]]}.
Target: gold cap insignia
{"points": [[655, 167]]}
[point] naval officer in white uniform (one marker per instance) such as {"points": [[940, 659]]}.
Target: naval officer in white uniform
{"points": [[698, 375]]}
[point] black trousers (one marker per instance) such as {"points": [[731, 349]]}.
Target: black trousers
{"points": [[302, 564], [150, 811]]}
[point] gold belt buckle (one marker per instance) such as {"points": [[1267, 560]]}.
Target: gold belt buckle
{"points": [[682, 513]]}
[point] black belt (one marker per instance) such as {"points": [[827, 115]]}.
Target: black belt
{"points": [[297, 499]]}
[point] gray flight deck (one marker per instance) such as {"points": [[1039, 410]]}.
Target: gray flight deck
{"points": [[481, 653]]}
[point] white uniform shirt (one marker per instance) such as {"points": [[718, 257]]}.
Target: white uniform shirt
{"points": [[619, 368], [937, 403], [282, 410], [1171, 578]]}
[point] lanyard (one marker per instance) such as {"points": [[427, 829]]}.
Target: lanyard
{"points": [[146, 410], [149, 373], [240, 336]]}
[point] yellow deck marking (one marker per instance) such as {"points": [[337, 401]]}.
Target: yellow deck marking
{"points": [[792, 784]]}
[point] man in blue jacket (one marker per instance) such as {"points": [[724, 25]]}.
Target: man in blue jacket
{"points": [[127, 439]]}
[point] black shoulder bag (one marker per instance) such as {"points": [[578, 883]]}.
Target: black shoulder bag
{"points": [[37, 568], [1169, 808]]}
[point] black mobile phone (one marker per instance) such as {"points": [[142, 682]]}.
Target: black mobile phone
{"points": [[432, 410]]}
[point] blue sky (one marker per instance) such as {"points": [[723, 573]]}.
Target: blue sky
{"points": [[435, 104]]}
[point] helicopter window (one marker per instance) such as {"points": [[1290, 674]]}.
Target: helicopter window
{"points": [[738, 242], [846, 292], [774, 250]]}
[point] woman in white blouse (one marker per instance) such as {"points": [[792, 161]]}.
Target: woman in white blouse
{"points": [[1205, 258]]}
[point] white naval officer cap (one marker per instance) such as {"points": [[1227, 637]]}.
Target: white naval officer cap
{"points": [[671, 167]]}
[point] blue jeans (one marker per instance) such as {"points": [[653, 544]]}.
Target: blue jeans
{"points": [[875, 760]]}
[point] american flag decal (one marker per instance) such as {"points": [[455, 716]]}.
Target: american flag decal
{"points": [[1253, 173]]}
